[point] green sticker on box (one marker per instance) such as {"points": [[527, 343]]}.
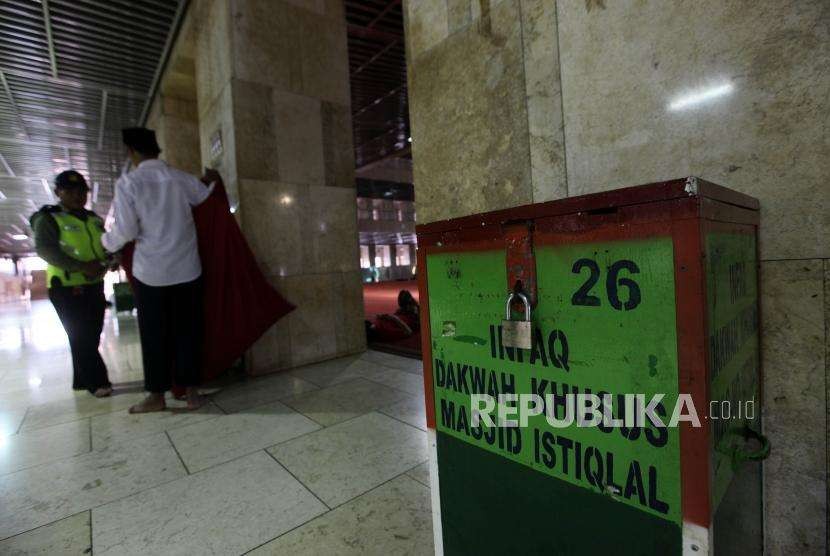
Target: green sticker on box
{"points": [[605, 323], [732, 299]]}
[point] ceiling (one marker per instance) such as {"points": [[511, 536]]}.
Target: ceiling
{"points": [[377, 65], [72, 74]]}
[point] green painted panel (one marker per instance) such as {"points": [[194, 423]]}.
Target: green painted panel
{"points": [[732, 297], [615, 333]]}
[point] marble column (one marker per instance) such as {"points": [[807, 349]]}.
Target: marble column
{"points": [[372, 254], [275, 119], [413, 256], [517, 101], [176, 124], [485, 105], [174, 113]]}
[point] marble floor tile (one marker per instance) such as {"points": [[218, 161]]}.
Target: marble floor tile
{"points": [[22, 399], [10, 421], [224, 438], [243, 395], [18, 360], [121, 426], [343, 401], [380, 369], [68, 536], [410, 410], [80, 406], [42, 446], [347, 459], [414, 366], [34, 375], [400, 380], [334, 371], [420, 473], [125, 373], [66, 456], [393, 519], [407, 364], [378, 356], [228, 509], [43, 494]]}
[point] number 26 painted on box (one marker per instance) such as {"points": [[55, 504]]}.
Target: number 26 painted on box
{"points": [[612, 283]]}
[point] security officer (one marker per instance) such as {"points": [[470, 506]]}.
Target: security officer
{"points": [[68, 238]]}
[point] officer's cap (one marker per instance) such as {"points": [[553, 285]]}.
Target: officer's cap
{"points": [[70, 179]]}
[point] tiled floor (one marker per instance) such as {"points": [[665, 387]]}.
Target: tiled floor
{"points": [[326, 459]]}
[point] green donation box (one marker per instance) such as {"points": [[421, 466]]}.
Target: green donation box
{"points": [[592, 374]]}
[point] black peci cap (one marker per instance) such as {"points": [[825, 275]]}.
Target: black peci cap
{"points": [[141, 139], [70, 179]]}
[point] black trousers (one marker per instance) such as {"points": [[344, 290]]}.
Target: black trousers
{"points": [[171, 325], [81, 311]]}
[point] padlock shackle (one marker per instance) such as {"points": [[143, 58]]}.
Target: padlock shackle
{"points": [[510, 297]]}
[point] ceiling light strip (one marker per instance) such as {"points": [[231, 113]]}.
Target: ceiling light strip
{"points": [[14, 104], [47, 189], [47, 22], [103, 119], [5, 164], [75, 83]]}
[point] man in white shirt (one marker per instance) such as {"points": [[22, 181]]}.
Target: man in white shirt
{"points": [[153, 206]]}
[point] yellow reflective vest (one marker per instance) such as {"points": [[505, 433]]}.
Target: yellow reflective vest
{"points": [[81, 240]]}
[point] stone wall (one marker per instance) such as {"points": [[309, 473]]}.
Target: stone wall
{"points": [[174, 113], [518, 101], [485, 105], [176, 124]]}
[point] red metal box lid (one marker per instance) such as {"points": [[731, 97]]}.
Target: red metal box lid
{"points": [[690, 187]]}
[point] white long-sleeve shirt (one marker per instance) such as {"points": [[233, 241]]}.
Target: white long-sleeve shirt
{"points": [[152, 206]]}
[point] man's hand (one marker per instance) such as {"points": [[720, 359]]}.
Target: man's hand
{"points": [[92, 269], [113, 261], [211, 176]]}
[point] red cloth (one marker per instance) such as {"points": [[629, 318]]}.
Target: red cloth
{"points": [[240, 305], [412, 320], [388, 329], [393, 328]]}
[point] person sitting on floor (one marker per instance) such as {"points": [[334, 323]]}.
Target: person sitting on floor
{"points": [[403, 324]]}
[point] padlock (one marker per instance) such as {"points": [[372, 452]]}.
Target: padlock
{"points": [[517, 333]]}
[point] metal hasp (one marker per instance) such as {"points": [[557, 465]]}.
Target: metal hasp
{"points": [[521, 262], [517, 333]]}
